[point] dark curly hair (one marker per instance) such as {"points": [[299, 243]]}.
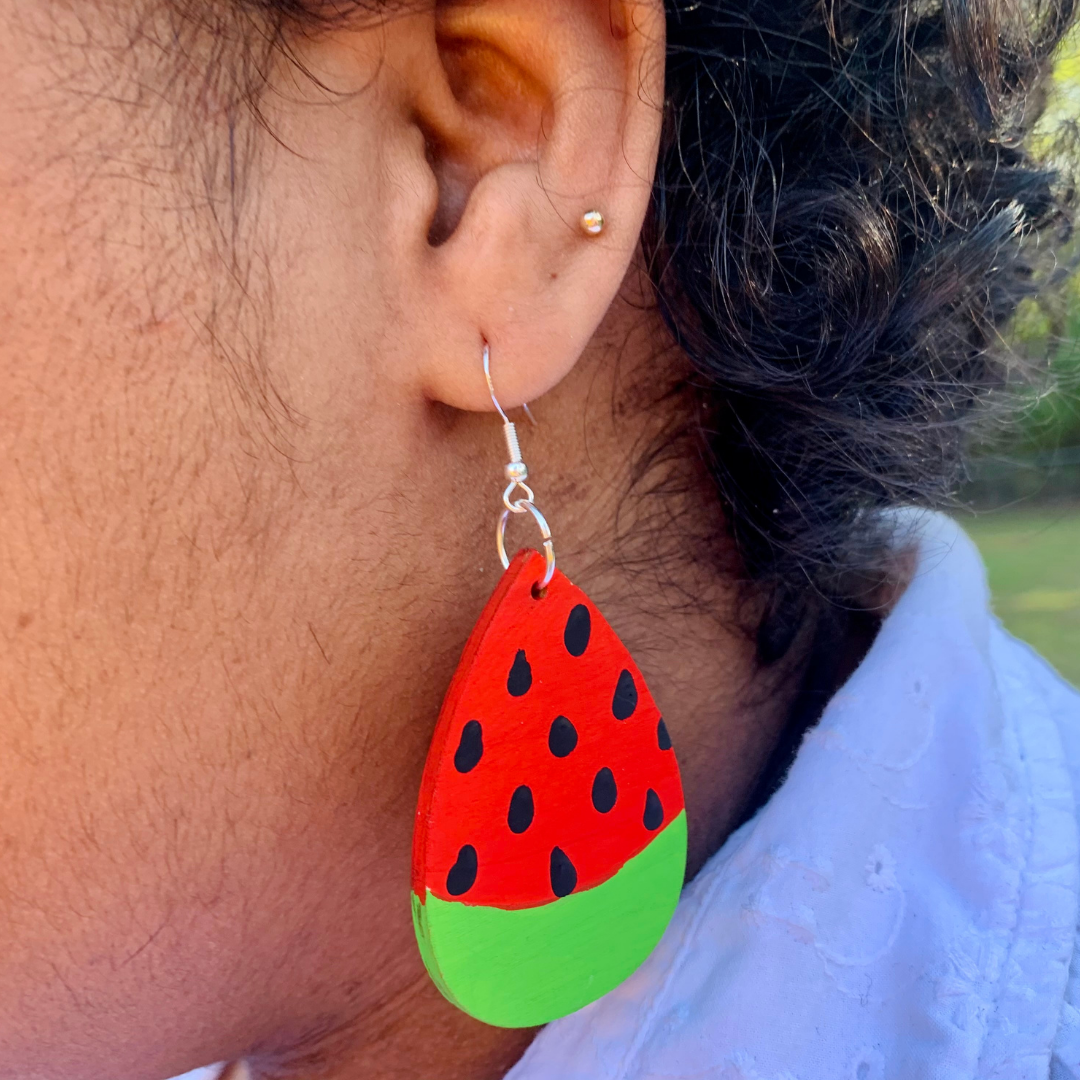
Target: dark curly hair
{"points": [[836, 237], [837, 233]]}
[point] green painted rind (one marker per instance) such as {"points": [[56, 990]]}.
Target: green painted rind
{"points": [[526, 967], [419, 926]]}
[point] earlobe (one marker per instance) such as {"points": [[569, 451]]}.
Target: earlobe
{"points": [[550, 110]]}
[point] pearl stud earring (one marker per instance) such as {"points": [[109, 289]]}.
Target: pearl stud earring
{"points": [[592, 222]]}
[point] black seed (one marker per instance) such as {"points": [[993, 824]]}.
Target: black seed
{"points": [[604, 791], [578, 628], [563, 874], [470, 748], [520, 815], [520, 678], [463, 873], [654, 811], [663, 739], [562, 738], [624, 701]]}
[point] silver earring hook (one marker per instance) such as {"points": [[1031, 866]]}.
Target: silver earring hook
{"points": [[491, 385], [491, 391], [517, 473]]}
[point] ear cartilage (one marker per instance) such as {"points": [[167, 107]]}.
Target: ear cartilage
{"points": [[592, 222]]}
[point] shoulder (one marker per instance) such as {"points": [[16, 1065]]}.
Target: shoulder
{"points": [[1036, 694]]}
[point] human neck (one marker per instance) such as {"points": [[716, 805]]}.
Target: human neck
{"points": [[649, 550]]}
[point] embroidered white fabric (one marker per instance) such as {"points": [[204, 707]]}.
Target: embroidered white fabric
{"points": [[905, 906]]}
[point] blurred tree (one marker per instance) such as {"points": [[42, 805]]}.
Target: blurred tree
{"points": [[1045, 332]]}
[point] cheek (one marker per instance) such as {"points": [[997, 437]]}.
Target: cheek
{"points": [[222, 666], [207, 725], [177, 771], [226, 629]]}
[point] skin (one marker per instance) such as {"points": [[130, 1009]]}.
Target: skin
{"points": [[249, 475]]}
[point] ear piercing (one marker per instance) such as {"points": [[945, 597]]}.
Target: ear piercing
{"points": [[592, 222]]}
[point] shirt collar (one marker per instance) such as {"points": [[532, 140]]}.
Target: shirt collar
{"points": [[904, 905]]}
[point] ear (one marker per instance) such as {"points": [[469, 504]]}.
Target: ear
{"points": [[533, 113]]}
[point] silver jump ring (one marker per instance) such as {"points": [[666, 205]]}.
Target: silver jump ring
{"points": [[545, 532], [517, 506]]}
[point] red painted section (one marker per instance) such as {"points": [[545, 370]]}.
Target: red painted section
{"points": [[471, 808]]}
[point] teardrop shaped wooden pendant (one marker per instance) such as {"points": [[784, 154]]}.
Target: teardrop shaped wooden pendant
{"points": [[550, 841]]}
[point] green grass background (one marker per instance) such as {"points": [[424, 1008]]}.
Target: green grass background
{"points": [[1033, 560]]}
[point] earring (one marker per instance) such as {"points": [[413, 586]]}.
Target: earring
{"points": [[592, 222], [550, 841]]}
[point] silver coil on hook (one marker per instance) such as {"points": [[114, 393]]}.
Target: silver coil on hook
{"points": [[517, 472]]}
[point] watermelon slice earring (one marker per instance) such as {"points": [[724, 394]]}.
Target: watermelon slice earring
{"points": [[550, 840]]}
